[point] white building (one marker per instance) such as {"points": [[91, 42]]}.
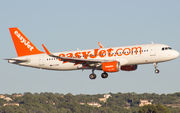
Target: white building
{"points": [[11, 104], [144, 102], [8, 99], [94, 104], [107, 96]]}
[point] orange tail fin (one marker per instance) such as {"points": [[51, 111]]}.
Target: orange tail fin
{"points": [[22, 44]]}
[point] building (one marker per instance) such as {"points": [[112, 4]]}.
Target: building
{"points": [[103, 99], [8, 99], [17, 95], [94, 104], [107, 96], [2, 96], [81, 103], [11, 104], [144, 102]]}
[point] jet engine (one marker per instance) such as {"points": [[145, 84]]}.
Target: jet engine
{"points": [[111, 66], [129, 68]]}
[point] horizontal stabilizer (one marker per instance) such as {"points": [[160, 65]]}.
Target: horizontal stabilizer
{"points": [[16, 61]]}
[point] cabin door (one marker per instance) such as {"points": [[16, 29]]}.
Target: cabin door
{"points": [[152, 50]]}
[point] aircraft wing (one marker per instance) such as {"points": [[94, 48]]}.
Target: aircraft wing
{"points": [[75, 60]]}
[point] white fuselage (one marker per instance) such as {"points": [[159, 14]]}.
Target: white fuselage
{"points": [[126, 55]]}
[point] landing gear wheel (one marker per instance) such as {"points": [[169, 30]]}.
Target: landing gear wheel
{"points": [[156, 71], [104, 75], [92, 76]]}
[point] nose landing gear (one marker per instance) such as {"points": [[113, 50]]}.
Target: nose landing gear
{"points": [[157, 70]]}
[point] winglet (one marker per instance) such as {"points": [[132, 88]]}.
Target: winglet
{"points": [[100, 45], [46, 50]]}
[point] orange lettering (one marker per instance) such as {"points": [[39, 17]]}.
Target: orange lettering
{"points": [[69, 55], [95, 53], [117, 52], [136, 50], [127, 52], [86, 54], [61, 55], [77, 55], [102, 53], [109, 52]]}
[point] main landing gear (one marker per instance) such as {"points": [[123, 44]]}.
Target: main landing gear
{"points": [[104, 75], [93, 75], [156, 70]]}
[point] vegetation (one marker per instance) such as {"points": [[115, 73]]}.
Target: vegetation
{"points": [[154, 109], [118, 103]]}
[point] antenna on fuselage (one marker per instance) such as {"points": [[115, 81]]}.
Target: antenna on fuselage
{"points": [[152, 42], [78, 49]]}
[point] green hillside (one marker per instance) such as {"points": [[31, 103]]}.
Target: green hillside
{"points": [[115, 103]]}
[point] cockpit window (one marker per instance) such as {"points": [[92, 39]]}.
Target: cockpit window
{"points": [[166, 48], [169, 48]]}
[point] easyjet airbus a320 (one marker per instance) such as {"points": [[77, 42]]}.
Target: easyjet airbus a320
{"points": [[113, 59]]}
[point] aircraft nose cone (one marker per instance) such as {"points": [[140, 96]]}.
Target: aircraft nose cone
{"points": [[176, 54]]}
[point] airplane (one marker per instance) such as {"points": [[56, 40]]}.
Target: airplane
{"points": [[109, 60]]}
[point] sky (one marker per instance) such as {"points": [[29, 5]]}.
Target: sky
{"points": [[68, 25]]}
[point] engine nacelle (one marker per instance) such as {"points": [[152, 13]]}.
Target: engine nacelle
{"points": [[129, 68], [111, 66]]}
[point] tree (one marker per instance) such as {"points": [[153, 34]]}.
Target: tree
{"points": [[153, 109], [162, 109]]}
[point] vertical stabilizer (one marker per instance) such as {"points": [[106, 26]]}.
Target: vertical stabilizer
{"points": [[22, 44]]}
